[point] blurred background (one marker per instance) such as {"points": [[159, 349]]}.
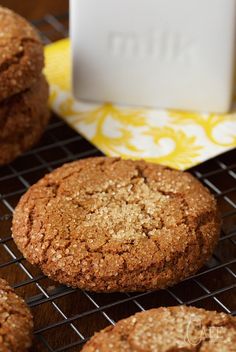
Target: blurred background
{"points": [[34, 10]]}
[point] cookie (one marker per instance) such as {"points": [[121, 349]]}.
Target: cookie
{"points": [[105, 224], [21, 54], [23, 118], [168, 330], [16, 322]]}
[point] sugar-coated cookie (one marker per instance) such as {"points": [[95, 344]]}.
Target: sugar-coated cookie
{"points": [[23, 118], [16, 322], [21, 54], [106, 224], [172, 329]]}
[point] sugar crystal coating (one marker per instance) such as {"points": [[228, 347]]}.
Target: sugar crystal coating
{"points": [[107, 224]]}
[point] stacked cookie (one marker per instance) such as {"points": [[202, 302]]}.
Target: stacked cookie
{"points": [[23, 88]]}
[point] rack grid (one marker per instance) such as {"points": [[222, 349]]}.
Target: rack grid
{"points": [[64, 317]]}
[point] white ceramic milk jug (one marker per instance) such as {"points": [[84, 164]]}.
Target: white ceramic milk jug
{"points": [[156, 53]]}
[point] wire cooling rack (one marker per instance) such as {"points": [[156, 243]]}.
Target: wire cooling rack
{"points": [[65, 318]]}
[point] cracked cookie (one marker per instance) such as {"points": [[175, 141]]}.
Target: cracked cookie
{"points": [[105, 224], [168, 329], [16, 322], [21, 54], [23, 118]]}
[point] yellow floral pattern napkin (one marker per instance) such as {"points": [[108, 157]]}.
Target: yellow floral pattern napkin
{"points": [[174, 138]]}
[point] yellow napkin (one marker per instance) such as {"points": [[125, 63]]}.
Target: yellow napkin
{"points": [[174, 138]]}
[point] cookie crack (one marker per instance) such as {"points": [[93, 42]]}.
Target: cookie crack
{"points": [[16, 58], [141, 174], [54, 186], [29, 226]]}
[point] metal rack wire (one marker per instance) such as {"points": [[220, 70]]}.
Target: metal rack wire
{"points": [[65, 318]]}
